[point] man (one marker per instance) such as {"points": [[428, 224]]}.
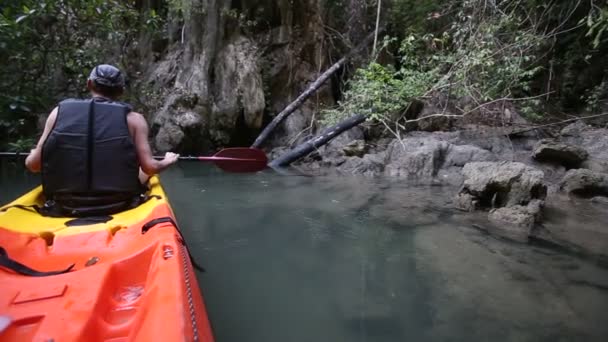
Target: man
{"points": [[91, 151]]}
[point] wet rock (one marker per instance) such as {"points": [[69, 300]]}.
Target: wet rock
{"points": [[556, 152], [517, 221], [238, 87], [415, 157], [349, 143], [459, 155], [332, 161], [576, 225], [168, 137], [277, 152], [466, 202], [356, 148], [178, 125], [433, 157], [585, 183], [600, 200], [593, 140], [368, 165], [240, 77], [574, 129], [500, 184]]}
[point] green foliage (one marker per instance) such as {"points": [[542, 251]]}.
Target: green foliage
{"points": [[597, 23], [48, 49], [382, 92], [482, 51], [22, 145], [181, 7], [492, 54], [595, 98]]}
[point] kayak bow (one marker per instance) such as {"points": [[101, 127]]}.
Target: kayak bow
{"points": [[133, 279]]}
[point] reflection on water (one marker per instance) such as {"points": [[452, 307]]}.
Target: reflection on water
{"points": [[293, 258]]}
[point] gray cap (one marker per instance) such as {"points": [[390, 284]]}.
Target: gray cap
{"points": [[107, 75]]}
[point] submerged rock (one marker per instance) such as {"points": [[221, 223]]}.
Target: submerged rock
{"points": [[585, 183], [500, 184], [517, 221], [513, 191], [556, 152]]}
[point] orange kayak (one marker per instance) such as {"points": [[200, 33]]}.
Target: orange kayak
{"points": [[131, 280]]}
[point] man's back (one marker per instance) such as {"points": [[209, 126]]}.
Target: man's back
{"points": [[91, 150]]}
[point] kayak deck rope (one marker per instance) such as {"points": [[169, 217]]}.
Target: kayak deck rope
{"points": [[191, 308], [17, 267], [33, 207], [167, 219], [185, 256]]}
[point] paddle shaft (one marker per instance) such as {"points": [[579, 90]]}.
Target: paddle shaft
{"points": [[214, 159], [211, 158], [235, 159]]}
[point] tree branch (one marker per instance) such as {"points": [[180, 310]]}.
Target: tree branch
{"points": [[307, 93], [559, 123], [326, 136]]}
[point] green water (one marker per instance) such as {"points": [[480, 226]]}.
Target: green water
{"points": [[293, 258]]}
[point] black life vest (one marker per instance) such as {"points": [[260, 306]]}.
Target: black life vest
{"points": [[89, 162]]}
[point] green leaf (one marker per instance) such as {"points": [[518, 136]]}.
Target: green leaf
{"points": [[21, 18]]}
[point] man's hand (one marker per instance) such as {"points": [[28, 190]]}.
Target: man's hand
{"points": [[170, 158], [138, 127]]}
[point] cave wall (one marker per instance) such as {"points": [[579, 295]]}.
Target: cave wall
{"points": [[231, 66]]}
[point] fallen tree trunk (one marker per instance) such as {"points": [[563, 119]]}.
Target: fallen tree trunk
{"points": [[307, 93], [326, 136]]}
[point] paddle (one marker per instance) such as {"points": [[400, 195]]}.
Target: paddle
{"points": [[234, 159]]}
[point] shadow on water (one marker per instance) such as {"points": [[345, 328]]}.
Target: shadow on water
{"points": [[357, 259]]}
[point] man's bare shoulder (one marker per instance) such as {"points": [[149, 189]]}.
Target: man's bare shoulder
{"points": [[136, 119]]}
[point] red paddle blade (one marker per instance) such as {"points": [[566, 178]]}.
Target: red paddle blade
{"points": [[240, 159]]}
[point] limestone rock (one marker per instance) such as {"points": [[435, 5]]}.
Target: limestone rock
{"points": [[517, 221], [416, 157], [369, 165], [356, 148], [585, 183], [500, 184], [466, 202], [600, 200], [168, 137], [574, 129], [459, 155], [559, 153], [179, 125], [594, 141]]}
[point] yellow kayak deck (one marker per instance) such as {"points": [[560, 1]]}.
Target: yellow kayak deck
{"points": [[30, 222]]}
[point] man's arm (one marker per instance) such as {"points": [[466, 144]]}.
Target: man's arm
{"points": [[33, 162], [139, 131]]}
